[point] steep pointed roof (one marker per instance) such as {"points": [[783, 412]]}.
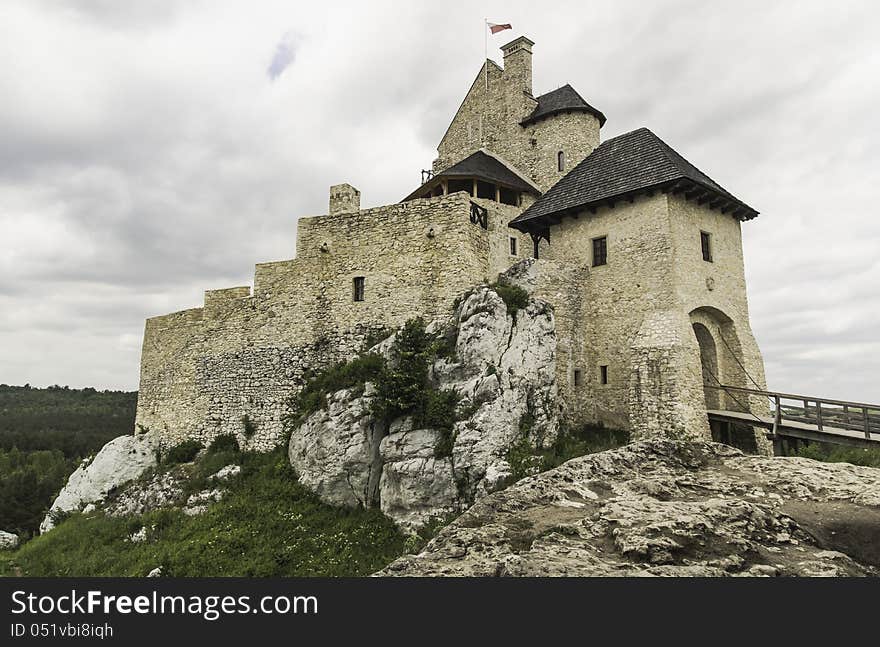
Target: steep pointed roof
{"points": [[564, 99], [624, 166]]}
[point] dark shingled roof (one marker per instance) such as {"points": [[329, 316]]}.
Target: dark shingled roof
{"points": [[483, 167], [626, 165], [565, 99]]}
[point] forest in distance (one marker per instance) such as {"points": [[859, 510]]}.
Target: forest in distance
{"points": [[44, 434]]}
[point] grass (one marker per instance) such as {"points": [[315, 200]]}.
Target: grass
{"points": [[183, 452], [267, 525], [829, 453], [525, 460]]}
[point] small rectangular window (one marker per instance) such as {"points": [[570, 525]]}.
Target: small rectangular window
{"points": [[359, 288], [513, 249], [603, 374], [578, 377], [706, 244], [600, 251], [560, 161]]}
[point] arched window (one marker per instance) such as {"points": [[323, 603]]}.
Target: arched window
{"points": [[560, 161]]}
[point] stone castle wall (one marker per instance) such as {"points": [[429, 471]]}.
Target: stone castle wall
{"points": [[230, 366]]}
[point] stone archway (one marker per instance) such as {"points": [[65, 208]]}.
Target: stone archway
{"points": [[723, 360], [709, 365]]}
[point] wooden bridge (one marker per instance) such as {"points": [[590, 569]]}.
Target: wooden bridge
{"points": [[799, 417]]}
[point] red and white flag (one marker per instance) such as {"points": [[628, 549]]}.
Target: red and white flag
{"points": [[496, 28]]}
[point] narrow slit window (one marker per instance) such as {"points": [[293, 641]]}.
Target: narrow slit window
{"points": [[359, 288], [706, 244], [600, 251], [560, 161], [578, 377], [603, 374], [513, 249]]}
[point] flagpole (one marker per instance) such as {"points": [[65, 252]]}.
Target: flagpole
{"points": [[486, 49]]}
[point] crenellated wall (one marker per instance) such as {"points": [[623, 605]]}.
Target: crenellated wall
{"points": [[230, 366]]}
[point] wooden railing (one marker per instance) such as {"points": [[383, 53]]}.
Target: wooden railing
{"points": [[822, 412]]}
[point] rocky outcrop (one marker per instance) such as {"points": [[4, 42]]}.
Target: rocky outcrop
{"points": [[8, 540], [504, 370], [667, 508], [119, 461], [158, 490], [167, 489]]}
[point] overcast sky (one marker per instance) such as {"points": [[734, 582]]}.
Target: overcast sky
{"points": [[150, 150]]}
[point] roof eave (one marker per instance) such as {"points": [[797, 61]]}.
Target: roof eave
{"points": [[725, 202]]}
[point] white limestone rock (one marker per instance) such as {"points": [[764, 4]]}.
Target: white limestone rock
{"points": [[160, 490], [226, 473], [198, 503], [335, 451], [138, 537], [666, 508], [415, 486], [8, 540], [505, 371], [119, 461]]}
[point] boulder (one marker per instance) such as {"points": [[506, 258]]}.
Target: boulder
{"points": [[504, 369], [667, 508], [8, 540], [119, 461], [335, 451]]}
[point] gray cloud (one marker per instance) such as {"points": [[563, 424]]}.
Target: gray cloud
{"points": [[154, 150]]}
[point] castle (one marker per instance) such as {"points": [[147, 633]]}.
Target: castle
{"points": [[638, 251]]}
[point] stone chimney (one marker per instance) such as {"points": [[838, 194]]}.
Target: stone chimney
{"points": [[518, 64], [344, 198]]}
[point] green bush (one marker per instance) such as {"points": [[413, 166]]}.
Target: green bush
{"points": [[375, 336], [439, 410], [402, 384], [521, 458], [224, 443], [524, 459], [248, 426], [445, 443], [829, 453], [587, 439], [514, 297], [183, 452], [344, 375]]}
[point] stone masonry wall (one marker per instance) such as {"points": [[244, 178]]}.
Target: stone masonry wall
{"points": [[491, 119], [231, 366], [636, 313], [618, 295]]}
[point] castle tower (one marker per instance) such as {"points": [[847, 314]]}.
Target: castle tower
{"points": [[542, 137]]}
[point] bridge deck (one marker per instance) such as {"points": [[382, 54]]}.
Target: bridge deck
{"points": [[796, 429]]}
